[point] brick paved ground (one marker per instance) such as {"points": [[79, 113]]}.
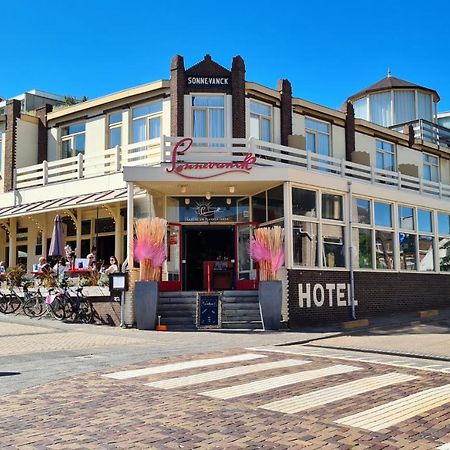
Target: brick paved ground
{"points": [[93, 412]]}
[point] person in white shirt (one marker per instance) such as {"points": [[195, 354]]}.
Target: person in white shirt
{"points": [[113, 266]]}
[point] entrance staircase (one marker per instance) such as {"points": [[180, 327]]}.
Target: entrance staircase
{"points": [[240, 310]]}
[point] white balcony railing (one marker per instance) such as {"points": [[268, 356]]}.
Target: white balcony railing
{"points": [[155, 152]]}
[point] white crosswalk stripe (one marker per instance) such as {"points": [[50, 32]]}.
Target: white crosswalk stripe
{"points": [[276, 382], [125, 374], [223, 373], [321, 397], [444, 447], [388, 414]]}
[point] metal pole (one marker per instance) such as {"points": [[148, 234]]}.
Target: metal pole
{"points": [[122, 309], [350, 224]]}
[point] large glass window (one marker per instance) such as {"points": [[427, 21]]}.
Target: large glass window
{"points": [[261, 121], [380, 109], [426, 253], [404, 106], [383, 214], [73, 139], [305, 243], [275, 203], [317, 137], [360, 107], [407, 249], [304, 202], [443, 223], [146, 121], [425, 108], [424, 220], [430, 167], [384, 250], [259, 207], [331, 206], [362, 242], [208, 116], [361, 211], [114, 129], [444, 254], [333, 246], [406, 217], [385, 155]]}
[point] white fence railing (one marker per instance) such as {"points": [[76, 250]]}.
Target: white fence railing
{"points": [[155, 152]]}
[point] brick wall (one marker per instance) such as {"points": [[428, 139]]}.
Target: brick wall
{"points": [[377, 293]]}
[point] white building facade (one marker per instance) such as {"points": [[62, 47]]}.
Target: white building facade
{"points": [[365, 206]]}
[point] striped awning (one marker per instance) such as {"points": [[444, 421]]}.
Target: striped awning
{"points": [[76, 201]]}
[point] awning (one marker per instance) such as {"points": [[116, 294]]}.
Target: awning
{"points": [[76, 201]]}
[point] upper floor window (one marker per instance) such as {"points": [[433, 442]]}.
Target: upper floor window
{"points": [[385, 155], [73, 139], [260, 121], [146, 121], [317, 136], [208, 116], [430, 167], [114, 130]]}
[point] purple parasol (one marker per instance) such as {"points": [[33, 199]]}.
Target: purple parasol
{"points": [[57, 241]]}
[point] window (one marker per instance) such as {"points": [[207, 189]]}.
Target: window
{"points": [[361, 211], [443, 223], [406, 217], [260, 121], [146, 122], [114, 130], [331, 206], [404, 106], [305, 243], [208, 116], [430, 167], [303, 202], [407, 249], [259, 207], [73, 140], [275, 203], [380, 109], [333, 246], [360, 107], [384, 249], [426, 253], [385, 158], [425, 109], [362, 242], [444, 242], [424, 220], [383, 215], [317, 136]]}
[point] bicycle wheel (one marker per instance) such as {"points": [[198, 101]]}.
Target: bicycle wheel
{"points": [[13, 303], [57, 309], [85, 312], [3, 304], [32, 306]]}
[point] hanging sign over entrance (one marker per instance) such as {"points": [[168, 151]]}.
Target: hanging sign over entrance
{"points": [[189, 169]]}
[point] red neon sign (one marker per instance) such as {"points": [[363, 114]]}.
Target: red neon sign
{"points": [[225, 167]]}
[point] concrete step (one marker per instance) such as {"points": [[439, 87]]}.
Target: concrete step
{"points": [[238, 325]]}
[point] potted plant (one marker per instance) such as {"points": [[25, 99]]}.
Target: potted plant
{"points": [[267, 249], [150, 251]]}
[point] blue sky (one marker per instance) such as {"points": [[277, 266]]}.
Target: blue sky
{"points": [[328, 50]]}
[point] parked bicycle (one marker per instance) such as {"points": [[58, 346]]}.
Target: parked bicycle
{"points": [[10, 302]]}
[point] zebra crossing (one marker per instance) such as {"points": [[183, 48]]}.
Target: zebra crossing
{"points": [[378, 418]]}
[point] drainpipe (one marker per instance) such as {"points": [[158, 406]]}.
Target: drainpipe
{"points": [[350, 225]]}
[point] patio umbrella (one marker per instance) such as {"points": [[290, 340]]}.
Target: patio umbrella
{"points": [[57, 242]]}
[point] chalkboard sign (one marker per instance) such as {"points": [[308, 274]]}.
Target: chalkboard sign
{"points": [[209, 310]]}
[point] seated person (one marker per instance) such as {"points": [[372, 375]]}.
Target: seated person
{"points": [[113, 266], [43, 265], [90, 262], [60, 267]]}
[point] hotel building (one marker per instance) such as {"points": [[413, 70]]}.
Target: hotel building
{"points": [[362, 192]]}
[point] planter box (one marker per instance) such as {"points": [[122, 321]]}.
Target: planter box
{"points": [[270, 299], [146, 295]]}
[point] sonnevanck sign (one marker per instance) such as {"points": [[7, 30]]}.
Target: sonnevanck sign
{"points": [[192, 170], [208, 81]]}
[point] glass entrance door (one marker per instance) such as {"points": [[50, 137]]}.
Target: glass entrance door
{"points": [[246, 273], [171, 273]]}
